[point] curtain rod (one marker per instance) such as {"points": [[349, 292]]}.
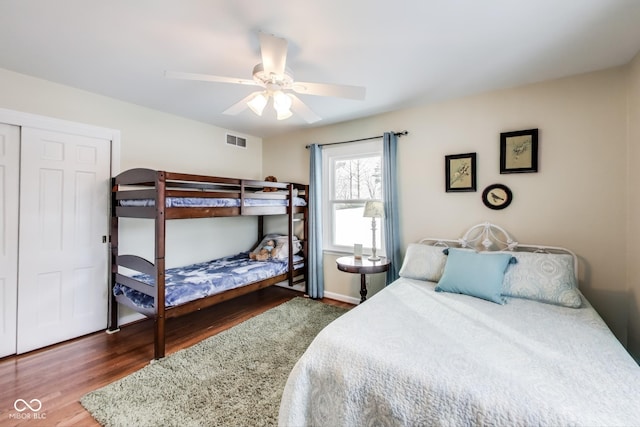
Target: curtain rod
{"points": [[402, 133]]}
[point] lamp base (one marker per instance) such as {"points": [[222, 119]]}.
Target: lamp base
{"points": [[374, 258]]}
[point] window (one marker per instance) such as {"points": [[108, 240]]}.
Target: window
{"points": [[352, 174]]}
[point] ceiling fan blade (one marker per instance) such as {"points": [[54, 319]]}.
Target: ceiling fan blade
{"points": [[302, 110], [208, 78], [323, 89], [274, 54], [239, 106]]}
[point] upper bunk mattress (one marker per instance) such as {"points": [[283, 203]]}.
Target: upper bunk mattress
{"points": [[206, 202], [184, 284]]}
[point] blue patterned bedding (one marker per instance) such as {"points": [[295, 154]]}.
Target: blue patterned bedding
{"points": [[197, 202], [184, 284]]}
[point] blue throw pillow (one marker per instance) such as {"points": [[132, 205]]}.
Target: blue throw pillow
{"points": [[476, 274]]}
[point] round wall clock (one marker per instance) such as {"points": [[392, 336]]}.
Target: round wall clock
{"points": [[497, 196]]}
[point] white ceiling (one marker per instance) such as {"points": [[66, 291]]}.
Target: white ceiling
{"points": [[405, 52]]}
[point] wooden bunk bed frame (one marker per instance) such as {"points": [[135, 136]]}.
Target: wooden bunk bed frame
{"points": [[157, 186]]}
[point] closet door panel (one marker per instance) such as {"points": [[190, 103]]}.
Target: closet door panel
{"points": [[63, 265], [9, 166]]}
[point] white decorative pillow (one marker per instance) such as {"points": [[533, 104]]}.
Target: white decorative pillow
{"points": [[281, 243], [423, 262], [543, 277]]}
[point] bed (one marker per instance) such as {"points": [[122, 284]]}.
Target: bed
{"points": [[422, 352], [159, 293]]}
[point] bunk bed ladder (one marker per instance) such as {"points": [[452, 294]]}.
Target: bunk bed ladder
{"points": [[113, 241], [290, 218], [159, 300], [305, 241], [296, 276], [242, 189]]}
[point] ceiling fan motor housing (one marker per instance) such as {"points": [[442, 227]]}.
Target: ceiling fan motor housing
{"points": [[280, 81]]}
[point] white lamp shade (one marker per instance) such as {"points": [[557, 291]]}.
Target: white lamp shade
{"points": [[257, 103], [281, 115], [281, 101], [373, 209]]}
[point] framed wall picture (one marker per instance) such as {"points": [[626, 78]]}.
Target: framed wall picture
{"points": [[460, 172], [519, 151], [497, 196]]}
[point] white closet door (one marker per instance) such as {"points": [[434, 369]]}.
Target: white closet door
{"points": [[63, 259], [9, 166]]}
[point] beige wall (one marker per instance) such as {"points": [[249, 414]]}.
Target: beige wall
{"points": [[155, 140], [149, 138], [633, 250], [589, 146], [576, 200]]}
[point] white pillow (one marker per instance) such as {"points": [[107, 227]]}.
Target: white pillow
{"points": [[282, 244], [543, 277], [423, 262]]}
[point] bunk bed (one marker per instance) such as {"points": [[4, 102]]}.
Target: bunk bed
{"points": [[159, 196]]}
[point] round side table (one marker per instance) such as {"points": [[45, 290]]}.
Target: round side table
{"points": [[362, 266]]}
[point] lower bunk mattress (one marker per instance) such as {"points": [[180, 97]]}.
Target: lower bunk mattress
{"points": [[184, 284]]}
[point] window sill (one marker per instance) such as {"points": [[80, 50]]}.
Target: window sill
{"points": [[336, 252]]}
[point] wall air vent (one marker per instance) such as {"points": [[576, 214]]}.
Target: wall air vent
{"points": [[237, 141]]}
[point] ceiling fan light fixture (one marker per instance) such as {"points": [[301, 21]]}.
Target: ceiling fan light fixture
{"points": [[282, 103], [274, 77], [257, 103], [283, 114]]}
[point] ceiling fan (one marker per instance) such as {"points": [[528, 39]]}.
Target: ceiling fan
{"points": [[277, 83]]}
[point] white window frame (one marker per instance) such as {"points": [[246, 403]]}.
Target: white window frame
{"points": [[330, 155]]}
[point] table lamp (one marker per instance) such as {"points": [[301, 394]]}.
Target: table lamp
{"points": [[373, 209]]}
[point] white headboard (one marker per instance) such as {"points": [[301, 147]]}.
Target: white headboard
{"points": [[490, 237]]}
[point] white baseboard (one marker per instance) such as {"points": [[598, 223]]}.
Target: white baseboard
{"points": [[124, 319], [343, 298], [331, 295], [297, 287]]}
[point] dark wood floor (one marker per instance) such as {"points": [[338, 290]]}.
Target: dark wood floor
{"points": [[60, 375]]}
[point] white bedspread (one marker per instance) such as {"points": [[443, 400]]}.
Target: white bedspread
{"points": [[411, 356]]}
